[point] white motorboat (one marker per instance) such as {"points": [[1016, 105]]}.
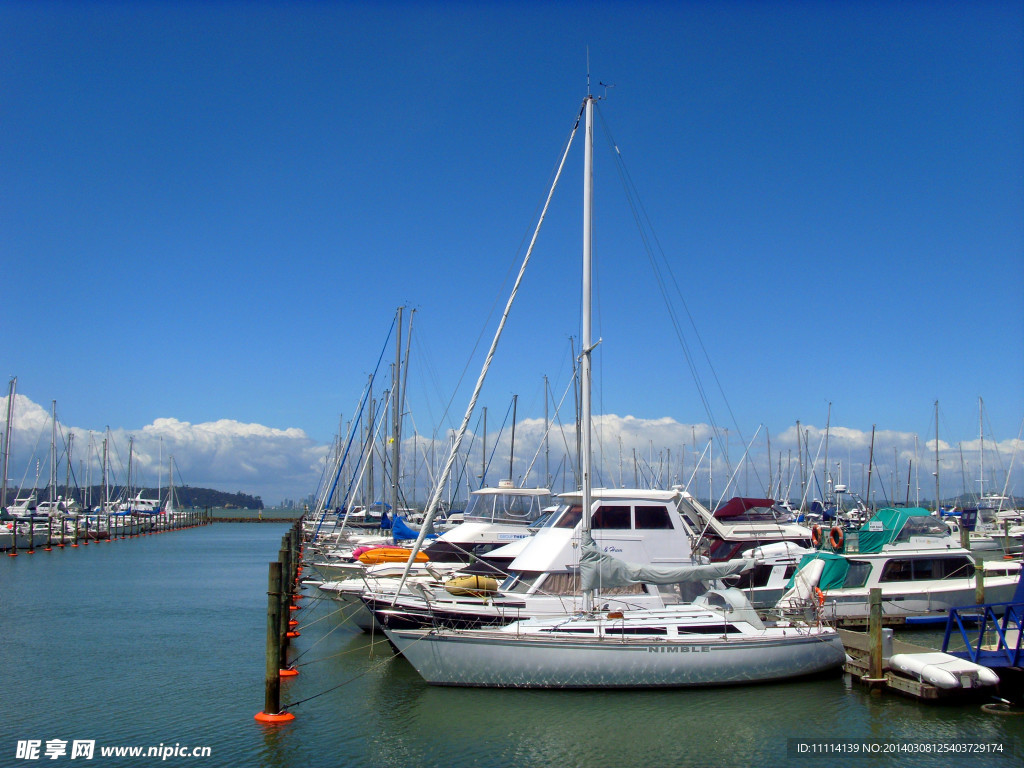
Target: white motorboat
{"points": [[919, 565]]}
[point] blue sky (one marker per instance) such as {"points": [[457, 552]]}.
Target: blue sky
{"points": [[210, 211]]}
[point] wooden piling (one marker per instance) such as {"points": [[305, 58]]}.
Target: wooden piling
{"points": [[875, 633], [272, 697], [979, 589]]}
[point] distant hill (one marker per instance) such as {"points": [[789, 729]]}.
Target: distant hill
{"points": [[187, 496]]}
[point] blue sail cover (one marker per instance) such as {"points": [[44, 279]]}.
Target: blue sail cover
{"points": [[401, 531]]}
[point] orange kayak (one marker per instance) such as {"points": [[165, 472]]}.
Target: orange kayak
{"points": [[390, 555]]}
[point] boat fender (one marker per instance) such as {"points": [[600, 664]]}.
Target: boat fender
{"points": [[816, 535], [820, 597], [835, 537]]}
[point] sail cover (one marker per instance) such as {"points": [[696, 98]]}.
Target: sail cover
{"points": [[400, 531], [599, 570]]}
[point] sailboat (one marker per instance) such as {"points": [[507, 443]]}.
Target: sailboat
{"points": [[717, 639]]}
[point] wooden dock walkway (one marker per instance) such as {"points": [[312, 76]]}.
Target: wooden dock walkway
{"points": [[858, 665]]}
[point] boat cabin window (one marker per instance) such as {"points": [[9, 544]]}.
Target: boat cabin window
{"points": [[711, 629], [570, 517], [562, 584], [608, 517], [653, 518], [922, 526], [620, 630], [922, 569], [569, 584], [954, 568], [520, 583], [857, 576], [574, 630]]}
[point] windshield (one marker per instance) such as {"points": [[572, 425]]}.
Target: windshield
{"points": [[505, 508], [922, 526]]}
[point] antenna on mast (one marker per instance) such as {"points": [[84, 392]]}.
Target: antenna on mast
{"points": [[588, 70]]}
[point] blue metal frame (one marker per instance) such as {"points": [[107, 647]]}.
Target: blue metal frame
{"points": [[1012, 618]]}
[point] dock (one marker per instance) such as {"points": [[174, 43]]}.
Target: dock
{"points": [[858, 665]]}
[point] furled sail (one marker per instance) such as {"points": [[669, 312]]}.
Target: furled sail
{"points": [[599, 570]]}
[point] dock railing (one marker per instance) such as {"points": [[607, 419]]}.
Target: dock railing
{"points": [[1001, 623]]}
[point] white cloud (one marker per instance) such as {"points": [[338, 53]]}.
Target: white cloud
{"points": [[225, 454], [285, 463]]}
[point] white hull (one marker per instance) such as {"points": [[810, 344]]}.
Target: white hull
{"points": [[922, 602], [499, 659]]}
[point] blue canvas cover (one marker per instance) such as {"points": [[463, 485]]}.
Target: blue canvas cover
{"points": [[400, 531]]}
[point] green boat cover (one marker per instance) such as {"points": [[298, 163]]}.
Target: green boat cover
{"points": [[891, 524], [832, 576], [888, 525]]}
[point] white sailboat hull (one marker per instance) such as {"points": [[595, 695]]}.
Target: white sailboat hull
{"points": [[495, 659]]}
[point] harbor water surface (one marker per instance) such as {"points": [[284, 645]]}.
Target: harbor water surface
{"points": [[159, 641]]}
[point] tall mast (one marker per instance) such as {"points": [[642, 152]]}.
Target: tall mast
{"points": [[938, 498], [512, 445], [53, 455], [547, 447], [396, 415], [106, 487], [401, 408], [981, 433], [585, 344], [7, 439]]}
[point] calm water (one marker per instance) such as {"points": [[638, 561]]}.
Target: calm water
{"points": [[160, 640]]}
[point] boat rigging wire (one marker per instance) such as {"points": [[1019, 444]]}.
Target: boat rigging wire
{"points": [[664, 276]]}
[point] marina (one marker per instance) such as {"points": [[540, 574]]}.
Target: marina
{"points": [[468, 470], [175, 629]]}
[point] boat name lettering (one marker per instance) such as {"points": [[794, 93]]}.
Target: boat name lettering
{"points": [[679, 649]]}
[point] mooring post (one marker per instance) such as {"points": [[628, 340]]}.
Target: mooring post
{"points": [[272, 696], [979, 589], [272, 700], [965, 536], [875, 633]]}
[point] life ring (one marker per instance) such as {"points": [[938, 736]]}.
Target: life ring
{"points": [[835, 537], [820, 596], [816, 535]]}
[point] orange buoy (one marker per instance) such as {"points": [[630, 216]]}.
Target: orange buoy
{"points": [[293, 607], [280, 717], [293, 623], [835, 537], [292, 633], [288, 672]]}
